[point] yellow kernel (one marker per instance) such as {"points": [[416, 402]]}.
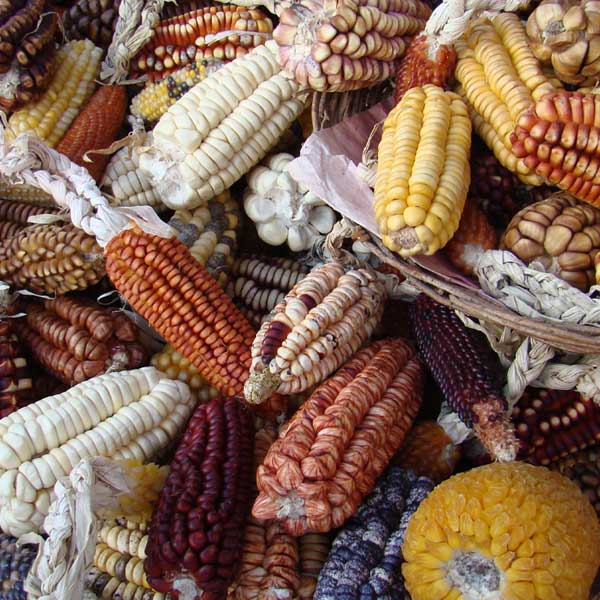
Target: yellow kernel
{"points": [[414, 216]]}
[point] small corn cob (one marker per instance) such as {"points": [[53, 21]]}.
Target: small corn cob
{"points": [[94, 20], [51, 259], [314, 549], [194, 35], [221, 128], [326, 460], [423, 172], [259, 284], [125, 184], [25, 193], [112, 588], [463, 367], [429, 451], [95, 128], [15, 377], [156, 98], [551, 424], [322, 322], [500, 78], [18, 19], [71, 86], [364, 562], [15, 563], [177, 366], [195, 531], [420, 66], [210, 232], [178, 297], [473, 236], [347, 45], [14, 216]]}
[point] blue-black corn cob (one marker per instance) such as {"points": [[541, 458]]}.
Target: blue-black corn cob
{"points": [[15, 562]]}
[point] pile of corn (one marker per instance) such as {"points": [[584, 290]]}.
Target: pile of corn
{"points": [[275, 409]]}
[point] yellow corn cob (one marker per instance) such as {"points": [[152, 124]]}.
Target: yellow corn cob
{"points": [[25, 193], [72, 85], [423, 174], [500, 78]]}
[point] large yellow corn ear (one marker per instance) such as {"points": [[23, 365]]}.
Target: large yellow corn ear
{"points": [[423, 173]]}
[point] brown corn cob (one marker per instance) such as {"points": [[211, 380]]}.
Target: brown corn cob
{"points": [[95, 128], [418, 67], [323, 320], [14, 216], [15, 378], [177, 296], [331, 452], [15, 26], [196, 525], [463, 366], [428, 451], [51, 259], [551, 424], [26, 194], [92, 19]]}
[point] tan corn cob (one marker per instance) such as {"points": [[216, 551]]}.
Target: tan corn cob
{"points": [[72, 85], [500, 78], [14, 216], [25, 193], [323, 320], [423, 172]]}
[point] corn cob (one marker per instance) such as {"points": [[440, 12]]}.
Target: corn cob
{"points": [[156, 98], [95, 128], [15, 377], [71, 86], [423, 171], [322, 322], [112, 588], [364, 562], [195, 35], [19, 20], [421, 65], [15, 563], [14, 216], [473, 236], [177, 296], [463, 367], [505, 531], [346, 46], [210, 233], [500, 78], [429, 451], [25, 193], [129, 414], [94, 20], [331, 452], [51, 259], [221, 128], [125, 184], [195, 530]]}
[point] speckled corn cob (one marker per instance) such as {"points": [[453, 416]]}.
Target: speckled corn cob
{"points": [[15, 376], [348, 45], [428, 451], [73, 83], [112, 588], [423, 171], [14, 216], [502, 531], [259, 284], [51, 259], [176, 294], [323, 321], [463, 367], [94, 20], [25, 193], [364, 562], [15, 562], [325, 461]]}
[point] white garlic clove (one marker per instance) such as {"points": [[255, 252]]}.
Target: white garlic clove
{"points": [[273, 233], [322, 218], [258, 208]]}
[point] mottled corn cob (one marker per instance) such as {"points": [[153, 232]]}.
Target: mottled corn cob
{"points": [[347, 45], [259, 284], [95, 128], [73, 83], [174, 292], [25, 193], [428, 451], [51, 259], [14, 216], [15, 376], [15, 562], [326, 458], [196, 525], [112, 588], [94, 20], [463, 367], [364, 562], [423, 171], [502, 531], [322, 322]]}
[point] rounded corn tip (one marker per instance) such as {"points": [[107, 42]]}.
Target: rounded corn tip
{"points": [[260, 386]]}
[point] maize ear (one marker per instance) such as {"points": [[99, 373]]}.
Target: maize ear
{"points": [[322, 322], [15, 374], [15, 563], [71, 86], [25, 193], [14, 216], [94, 20], [221, 128], [423, 172]]}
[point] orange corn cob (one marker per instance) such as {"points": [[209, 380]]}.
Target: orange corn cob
{"points": [[95, 128], [175, 293]]}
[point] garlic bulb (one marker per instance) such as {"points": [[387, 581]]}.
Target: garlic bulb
{"points": [[284, 210]]}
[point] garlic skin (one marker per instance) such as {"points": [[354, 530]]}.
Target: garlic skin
{"points": [[282, 209]]}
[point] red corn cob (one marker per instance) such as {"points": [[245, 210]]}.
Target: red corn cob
{"points": [[15, 379]]}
